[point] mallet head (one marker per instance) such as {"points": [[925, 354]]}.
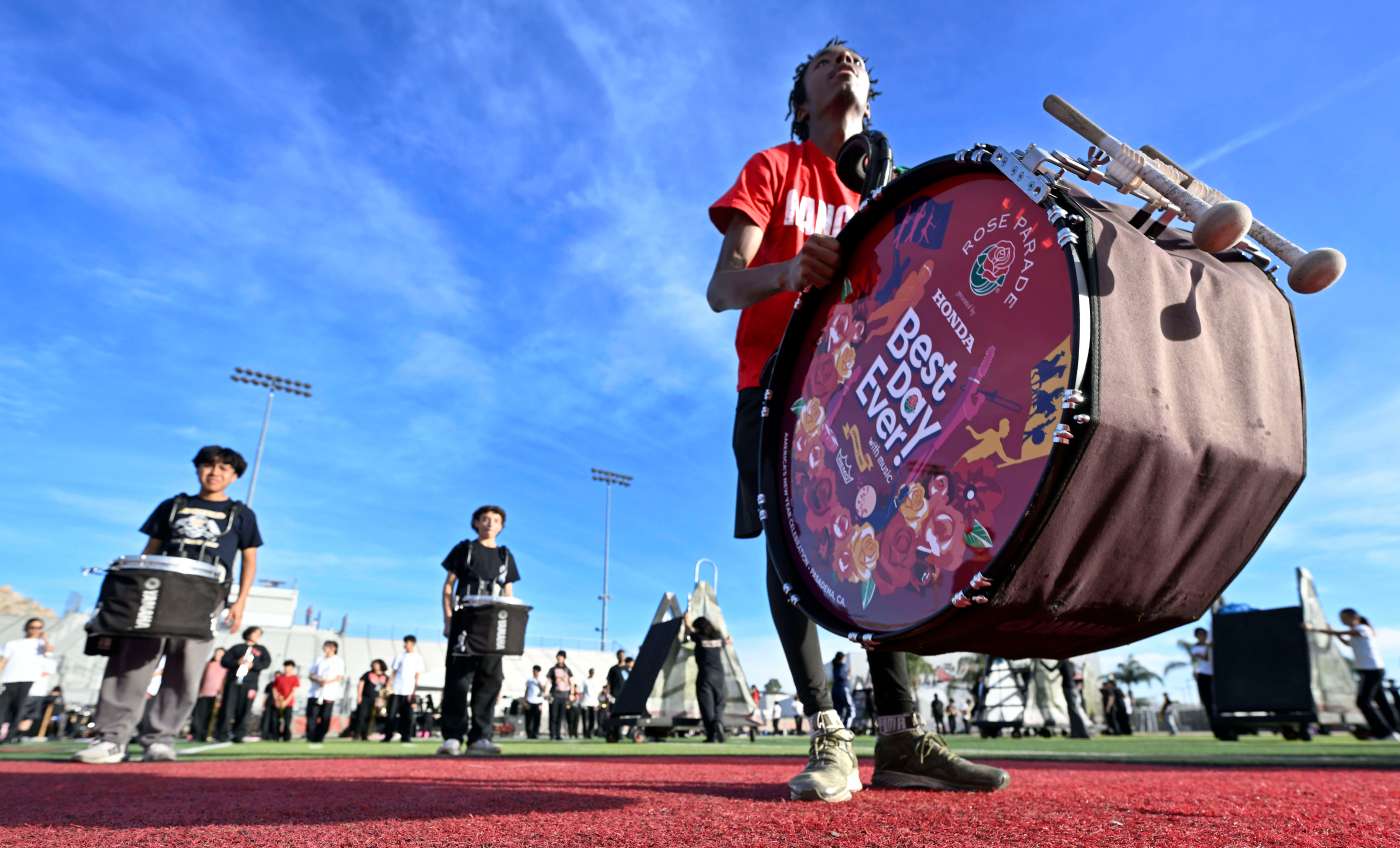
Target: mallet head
{"points": [[1317, 270], [1222, 226]]}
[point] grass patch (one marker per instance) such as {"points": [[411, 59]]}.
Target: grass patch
{"points": [[1186, 749]]}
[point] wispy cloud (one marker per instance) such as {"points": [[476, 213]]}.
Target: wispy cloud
{"points": [[1306, 109]]}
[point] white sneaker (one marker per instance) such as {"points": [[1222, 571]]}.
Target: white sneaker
{"points": [[100, 753], [450, 747], [483, 748], [1394, 737], [159, 752]]}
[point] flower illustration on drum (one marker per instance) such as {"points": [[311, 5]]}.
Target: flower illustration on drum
{"points": [[845, 361], [865, 552], [991, 266], [914, 507]]}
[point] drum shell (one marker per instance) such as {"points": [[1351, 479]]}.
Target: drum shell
{"points": [[488, 628], [1195, 444], [136, 601]]}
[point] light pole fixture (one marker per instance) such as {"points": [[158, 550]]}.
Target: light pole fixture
{"points": [[273, 384], [608, 479]]}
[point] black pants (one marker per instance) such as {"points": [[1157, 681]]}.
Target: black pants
{"points": [[238, 705], [590, 721], [282, 722], [202, 717], [558, 706], [532, 721], [400, 719], [318, 719], [12, 699], [1368, 700], [1205, 688], [478, 679], [364, 718], [709, 691]]}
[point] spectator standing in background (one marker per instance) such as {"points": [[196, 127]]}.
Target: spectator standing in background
{"points": [[210, 685], [371, 684], [936, 710], [407, 667], [1367, 661], [327, 676], [1203, 669], [534, 702], [21, 666], [1169, 714], [244, 661], [285, 685], [588, 703], [561, 684]]}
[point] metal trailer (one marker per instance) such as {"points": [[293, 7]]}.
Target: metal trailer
{"points": [[1028, 697], [1271, 674], [659, 700]]}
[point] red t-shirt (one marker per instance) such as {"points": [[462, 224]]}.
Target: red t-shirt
{"points": [[789, 191], [285, 684]]}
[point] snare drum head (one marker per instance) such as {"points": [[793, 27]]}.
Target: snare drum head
{"points": [[913, 405]]}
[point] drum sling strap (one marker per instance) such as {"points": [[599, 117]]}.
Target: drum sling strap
{"points": [[494, 584], [180, 502]]}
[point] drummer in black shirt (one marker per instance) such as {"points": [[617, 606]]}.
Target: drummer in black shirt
{"points": [[474, 567], [210, 527]]}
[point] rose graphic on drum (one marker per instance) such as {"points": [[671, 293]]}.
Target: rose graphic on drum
{"points": [[923, 392]]}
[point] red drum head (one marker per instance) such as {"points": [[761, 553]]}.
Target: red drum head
{"points": [[913, 407]]}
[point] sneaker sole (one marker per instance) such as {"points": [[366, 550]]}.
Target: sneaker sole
{"points": [[904, 780], [112, 760], [853, 785]]}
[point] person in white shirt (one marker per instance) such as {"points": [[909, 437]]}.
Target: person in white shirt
{"points": [[588, 702], [1369, 698], [21, 666], [1202, 656], [407, 668], [327, 675], [534, 702]]}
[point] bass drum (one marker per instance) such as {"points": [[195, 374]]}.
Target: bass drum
{"points": [[1023, 428]]}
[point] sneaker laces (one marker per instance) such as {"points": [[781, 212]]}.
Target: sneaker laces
{"points": [[826, 744], [931, 744]]}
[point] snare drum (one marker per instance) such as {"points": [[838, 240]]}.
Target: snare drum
{"points": [[159, 596], [1020, 426], [488, 625]]}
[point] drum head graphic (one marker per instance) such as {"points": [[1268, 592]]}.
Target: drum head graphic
{"points": [[914, 403]]}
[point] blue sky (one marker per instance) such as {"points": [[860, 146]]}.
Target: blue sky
{"points": [[479, 229]]}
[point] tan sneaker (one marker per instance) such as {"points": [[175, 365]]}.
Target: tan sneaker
{"points": [[832, 773], [919, 759]]}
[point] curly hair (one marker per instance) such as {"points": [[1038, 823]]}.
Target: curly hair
{"points": [[798, 96]]}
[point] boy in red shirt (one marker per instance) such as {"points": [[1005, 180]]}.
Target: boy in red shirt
{"points": [[779, 222], [284, 700]]}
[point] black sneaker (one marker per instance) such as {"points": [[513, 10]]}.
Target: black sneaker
{"points": [[920, 759]]}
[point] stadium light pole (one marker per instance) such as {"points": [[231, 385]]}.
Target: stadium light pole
{"points": [[273, 384], [608, 479]]}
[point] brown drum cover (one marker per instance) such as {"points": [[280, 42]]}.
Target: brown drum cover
{"points": [[1195, 447]]}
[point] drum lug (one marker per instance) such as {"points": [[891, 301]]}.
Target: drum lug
{"points": [[793, 599], [763, 413], [1036, 187], [1081, 418], [787, 588], [978, 581], [1062, 436], [962, 600], [1072, 399]]}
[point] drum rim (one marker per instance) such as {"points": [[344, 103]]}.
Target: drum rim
{"points": [[171, 564], [1062, 460]]}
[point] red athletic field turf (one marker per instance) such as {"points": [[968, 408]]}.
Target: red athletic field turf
{"points": [[709, 802]]}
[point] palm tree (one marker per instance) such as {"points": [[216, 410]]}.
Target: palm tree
{"points": [[1131, 671], [920, 669]]}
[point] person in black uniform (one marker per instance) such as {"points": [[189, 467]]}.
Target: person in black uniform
{"points": [[474, 567], [244, 661], [709, 678]]}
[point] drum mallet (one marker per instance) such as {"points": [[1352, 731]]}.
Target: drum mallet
{"points": [[1219, 226], [1309, 273]]}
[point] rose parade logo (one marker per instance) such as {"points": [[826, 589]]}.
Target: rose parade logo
{"points": [[991, 266]]}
